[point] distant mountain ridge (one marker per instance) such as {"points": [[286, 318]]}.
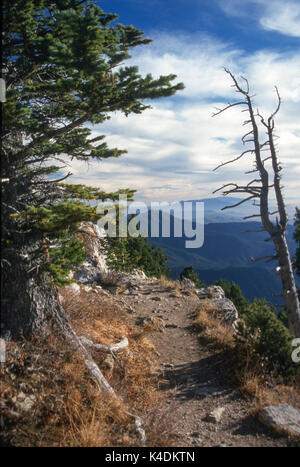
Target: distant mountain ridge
{"points": [[226, 253], [213, 209]]}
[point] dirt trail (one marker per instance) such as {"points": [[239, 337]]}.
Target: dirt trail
{"points": [[192, 373]]}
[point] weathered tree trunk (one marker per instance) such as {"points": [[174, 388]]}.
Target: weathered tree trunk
{"points": [[288, 284], [28, 304], [259, 188]]}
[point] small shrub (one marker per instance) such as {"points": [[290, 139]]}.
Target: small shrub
{"points": [[189, 273], [260, 330]]}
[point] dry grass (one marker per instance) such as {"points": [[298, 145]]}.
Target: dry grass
{"points": [[106, 423], [249, 373], [161, 425], [170, 286], [69, 410], [211, 326]]}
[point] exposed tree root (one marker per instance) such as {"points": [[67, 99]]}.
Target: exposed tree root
{"points": [[80, 343]]}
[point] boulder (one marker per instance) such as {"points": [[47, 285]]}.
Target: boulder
{"points": [[185, 282], [227, 308], [214, 291], [88, 273], [282, 417]]}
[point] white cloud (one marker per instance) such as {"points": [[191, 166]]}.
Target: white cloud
{"points": [[277, 15], [173, 148], [283, 17]]}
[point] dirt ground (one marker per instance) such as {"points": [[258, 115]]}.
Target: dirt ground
{"points": [[192, 372]]}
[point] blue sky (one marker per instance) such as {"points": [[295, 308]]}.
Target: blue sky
{"points": [[173, 148]]}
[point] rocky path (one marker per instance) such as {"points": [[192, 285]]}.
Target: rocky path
{"points": [[211, 412]]}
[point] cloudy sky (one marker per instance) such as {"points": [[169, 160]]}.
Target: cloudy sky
{"points": [[174, 147]]}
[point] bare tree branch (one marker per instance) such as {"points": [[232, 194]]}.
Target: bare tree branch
{"points": [[219, 111], [233, 160], [239, 203], [270, 258]]}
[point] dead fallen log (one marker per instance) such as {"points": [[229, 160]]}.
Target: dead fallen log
{"points": [[80, 343], [114, 348]]}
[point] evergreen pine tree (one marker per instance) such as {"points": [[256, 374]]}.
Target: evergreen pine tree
{"points": [[62, 69]]}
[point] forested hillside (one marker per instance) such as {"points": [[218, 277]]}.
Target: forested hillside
{"points": [[226, 253]]}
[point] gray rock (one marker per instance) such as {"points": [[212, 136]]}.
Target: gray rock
{"points": [[282, 417], [215, 415], [88, 273], [185, 282], [73, 288], [138, 274], [96, 245], [216, 294], [229, 311]]}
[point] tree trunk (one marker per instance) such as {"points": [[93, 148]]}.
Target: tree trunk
{"points": [[28, 304], [260, 188], [288, 284]]}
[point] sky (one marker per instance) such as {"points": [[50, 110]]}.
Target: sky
{"points": [[174, 147]]}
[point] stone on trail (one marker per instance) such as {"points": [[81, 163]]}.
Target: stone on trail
{"points": [[215, 415], [282, 417]]}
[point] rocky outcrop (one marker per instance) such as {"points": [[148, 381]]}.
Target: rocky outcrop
{"points": [[88, 273], [94, 237], [282, 417], [215, 291], [185, 282], [96, 264], [95, 269], [217, 295]]}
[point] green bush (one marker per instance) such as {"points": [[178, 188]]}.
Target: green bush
{"points": [[189, 273], [268, 338], [125, 254], [68, 254]]}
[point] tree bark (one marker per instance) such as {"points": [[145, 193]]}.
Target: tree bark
{"points": [[277, 231], [288, 284], [28, 305]]}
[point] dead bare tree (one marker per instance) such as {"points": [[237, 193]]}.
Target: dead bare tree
{"points": [[260, 188]]}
